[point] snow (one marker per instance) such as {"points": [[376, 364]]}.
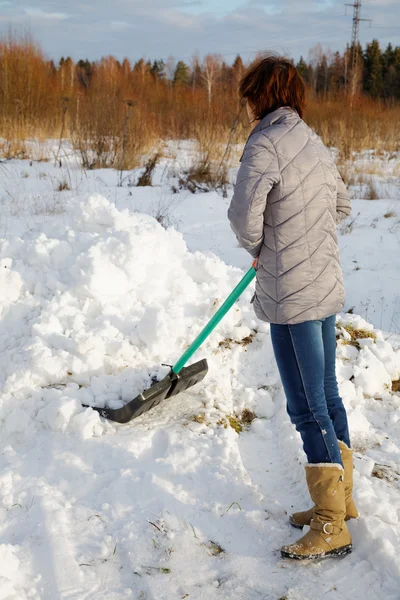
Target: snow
{"points": [[94, 296]]}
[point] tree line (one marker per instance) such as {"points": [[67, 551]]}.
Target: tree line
{"points": [[108, 103], [330, 73], [324, 72]]}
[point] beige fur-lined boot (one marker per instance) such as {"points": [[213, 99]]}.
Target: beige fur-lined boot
{"points": [[328, 535], [302, 518]]}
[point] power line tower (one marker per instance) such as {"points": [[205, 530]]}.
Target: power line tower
{"points": [[355, 71], [356, 29]]}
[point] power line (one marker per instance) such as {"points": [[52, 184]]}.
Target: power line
{"points": [[271, 40]]}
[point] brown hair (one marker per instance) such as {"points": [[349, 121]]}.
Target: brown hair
{"points": [[272, 82]]}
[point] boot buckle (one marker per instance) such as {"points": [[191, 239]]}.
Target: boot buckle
{"points": [[325, 530]]}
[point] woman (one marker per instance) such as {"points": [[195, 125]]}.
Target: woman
{"points": [[287, 200]]}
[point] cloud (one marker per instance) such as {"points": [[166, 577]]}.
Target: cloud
{"points": [[84, 28], [380, 3], [38, 13], [170, 17], [190, 4]]}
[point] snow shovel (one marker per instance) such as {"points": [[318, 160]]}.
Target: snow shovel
{"points": [[180, 378]]}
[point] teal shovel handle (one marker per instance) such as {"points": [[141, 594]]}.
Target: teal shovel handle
{"points": [[219, 315]]}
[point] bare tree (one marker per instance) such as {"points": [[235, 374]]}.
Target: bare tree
{"points": [[315, 56], [170, 67], [209, 72]]}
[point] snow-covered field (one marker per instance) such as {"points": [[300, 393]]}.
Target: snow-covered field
{"points": [[94, 295]]}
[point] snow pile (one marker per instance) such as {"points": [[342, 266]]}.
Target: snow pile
{"points": [[375, 362], [95, 303], [367, 366], [175, 504]]}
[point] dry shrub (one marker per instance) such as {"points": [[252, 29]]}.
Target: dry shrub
{"points": [[12, 146], [99, 137], [215, 143], [146, 178], [205, 176], [63, 186], [27, 101], [365, 126], [372, 193], [210, 136]]}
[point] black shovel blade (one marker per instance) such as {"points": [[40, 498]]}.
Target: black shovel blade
{"points": [[171, 385], [188, 377]]}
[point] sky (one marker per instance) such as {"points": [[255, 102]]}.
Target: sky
{"points": [[182, 28]]}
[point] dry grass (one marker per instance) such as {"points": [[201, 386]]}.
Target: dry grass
{"points": [[364, 184], [201, 419], [372, 193], [12, 147], [235, 424], [396, 386], [355, 335], [227, 343], [248, 416], [385, 472], [238, 423], [359, 334], [204, 176], [368, 125], [231, 421], [369, 168], [214, 548], [146, 178], [63, 186]]}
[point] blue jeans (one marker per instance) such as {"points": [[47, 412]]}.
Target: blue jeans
{"points": [[306, 358]]}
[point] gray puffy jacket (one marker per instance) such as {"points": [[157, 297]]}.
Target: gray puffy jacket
{"points": [[288, 198]]}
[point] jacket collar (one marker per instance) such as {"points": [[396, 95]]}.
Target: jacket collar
{"points": [[277, 116]]}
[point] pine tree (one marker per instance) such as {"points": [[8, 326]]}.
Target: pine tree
{"points": [[373, 75], [238, 65], [388, 57], [337, 75], [322, 75], [391, 78], [181, 75], [302, 67], [84, 72], [158, 69], [396, 65]]}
